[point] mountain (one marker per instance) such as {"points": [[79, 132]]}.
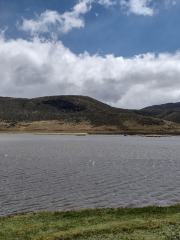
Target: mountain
{"points": [[168, 111], [76, 114]]}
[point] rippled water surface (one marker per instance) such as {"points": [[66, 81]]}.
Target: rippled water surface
{"points": [[58, 172]]}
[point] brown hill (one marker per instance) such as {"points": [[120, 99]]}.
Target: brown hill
{"points": [[168, 111], [73, 114]]}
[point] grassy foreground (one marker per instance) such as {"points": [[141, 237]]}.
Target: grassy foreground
{"points": [[123, 223]]}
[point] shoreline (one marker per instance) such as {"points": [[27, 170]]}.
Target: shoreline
{"points": [[93, 133], [176, 205]]}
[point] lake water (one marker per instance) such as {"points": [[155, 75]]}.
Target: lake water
{"points": [[64, 172]]}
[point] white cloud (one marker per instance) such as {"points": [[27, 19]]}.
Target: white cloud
{"points": [[52, 21], [139, 7], [62, 23], [170, 2], [38, 68], [107, 3]]}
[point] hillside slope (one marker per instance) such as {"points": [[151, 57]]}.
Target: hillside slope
{"points": [[168, 111], [65, 114]]}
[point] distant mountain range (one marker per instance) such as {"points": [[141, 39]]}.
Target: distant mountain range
{"points": [[75, 114]]}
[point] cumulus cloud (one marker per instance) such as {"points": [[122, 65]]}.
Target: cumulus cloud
{"points": [[143, 7], [51, 21], [62, 23], [139, 7], [40, 67]]}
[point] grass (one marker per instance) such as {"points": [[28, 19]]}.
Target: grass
{"points": [[74, 114], [123, 223]]}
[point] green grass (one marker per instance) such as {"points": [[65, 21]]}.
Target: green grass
{"points": [[123, 223]]}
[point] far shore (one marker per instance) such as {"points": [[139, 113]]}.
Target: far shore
{"points": [[95, 133]]}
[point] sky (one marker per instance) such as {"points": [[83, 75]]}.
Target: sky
{"points": [[125, 53]]}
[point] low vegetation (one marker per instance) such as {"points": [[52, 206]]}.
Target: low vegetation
{"points": [[168, 111], [149, 223], [73, 114]]}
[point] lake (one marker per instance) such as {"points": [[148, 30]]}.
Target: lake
{"points": [[64, 172]]}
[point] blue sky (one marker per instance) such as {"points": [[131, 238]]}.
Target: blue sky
{"points": [[122, 52]]}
